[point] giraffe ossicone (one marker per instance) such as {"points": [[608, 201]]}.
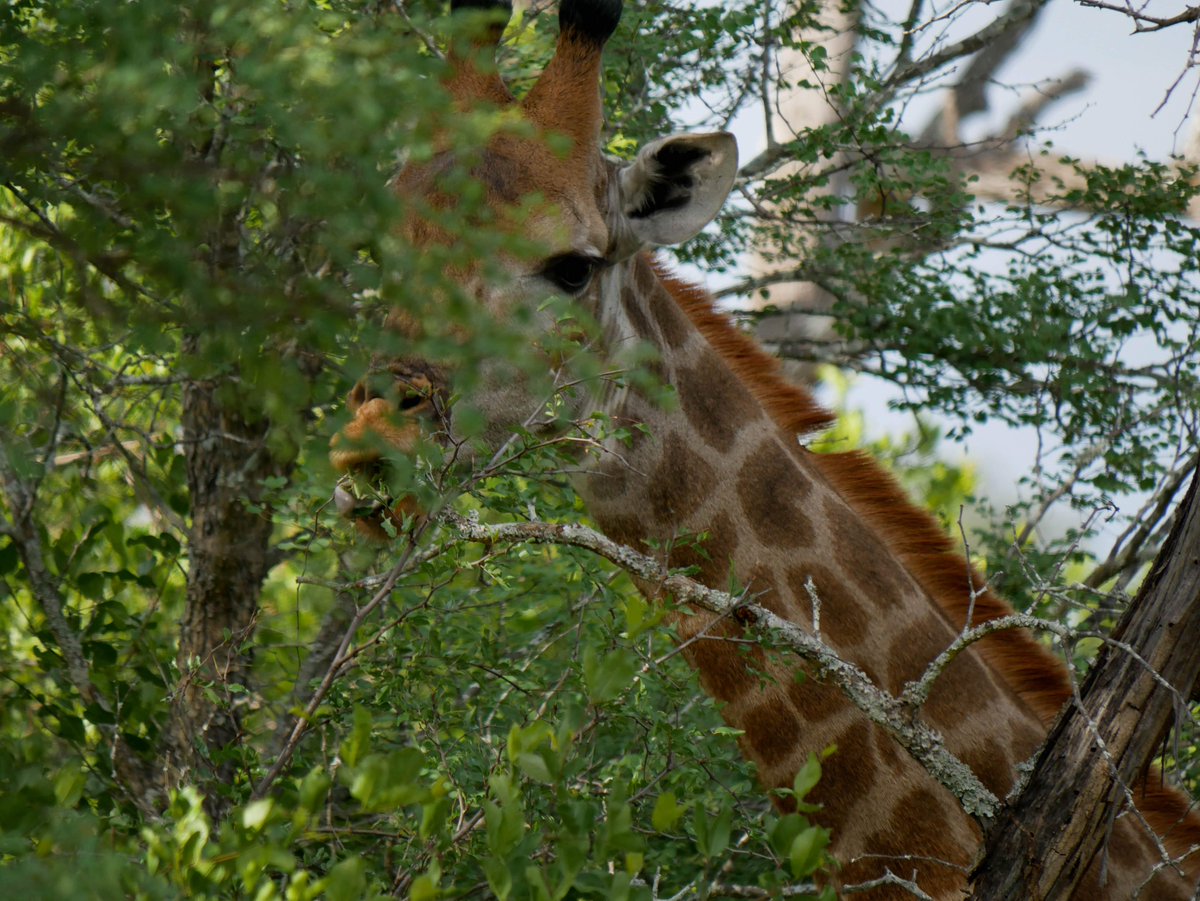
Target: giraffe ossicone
{"points": [[725, 461]]}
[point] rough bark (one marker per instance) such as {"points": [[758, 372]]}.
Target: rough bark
{"points": [[229, 555], [228, 459], [1041, 843]]}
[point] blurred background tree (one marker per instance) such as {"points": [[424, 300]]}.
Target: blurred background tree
{"points": [[213, 688]]}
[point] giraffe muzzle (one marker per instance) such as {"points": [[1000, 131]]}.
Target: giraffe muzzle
{"points": [[393, 415]]}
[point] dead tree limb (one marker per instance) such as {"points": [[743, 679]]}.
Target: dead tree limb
{"points": [[1041, 844]]}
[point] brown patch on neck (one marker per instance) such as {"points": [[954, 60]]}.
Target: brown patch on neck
{"points": [[916, 541], [773, 491], [680, 484], [792, 408], [713, 401]]}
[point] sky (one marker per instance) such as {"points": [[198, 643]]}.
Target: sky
{"points": [[1112, 120], [1131, 73]]}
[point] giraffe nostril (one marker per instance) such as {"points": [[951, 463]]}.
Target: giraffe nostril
{"points": [[416, 394], [364, 489], [363, 391], [411, 402], [344, 501]]}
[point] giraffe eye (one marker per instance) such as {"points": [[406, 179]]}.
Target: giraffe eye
{"points": [[570, 272]]}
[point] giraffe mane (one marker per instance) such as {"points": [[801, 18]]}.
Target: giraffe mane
{"points": [[914, 535], [792, 408]]}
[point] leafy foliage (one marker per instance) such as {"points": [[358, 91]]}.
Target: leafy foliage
{"points": [[195, 202]]}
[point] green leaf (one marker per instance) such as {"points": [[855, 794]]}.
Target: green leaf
{"points": [[531, 749], [314, 789], [608, 675], [359, 740], [256, 813], [712, 833], [498, 877], [433, 816], [505, 821], [783, 832], [68, 786], [9, 558], [619, 890], [424, 888], [538, 888], [667, 812], [806, 777], [535, 767], [71, 728], [618, 832], [805, 853], [347, 880], [721, 831], [91, 585], [101, 653], [388, 781], [639, 616]]}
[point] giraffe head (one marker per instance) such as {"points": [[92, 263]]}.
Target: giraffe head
{"points": [[590, 215]]}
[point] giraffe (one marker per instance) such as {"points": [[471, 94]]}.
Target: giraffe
{"points": [[725, 460]]}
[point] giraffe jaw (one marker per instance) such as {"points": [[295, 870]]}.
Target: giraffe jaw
{"points": [[375, 516], [363, 494]]}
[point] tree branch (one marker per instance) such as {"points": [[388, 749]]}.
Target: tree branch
{"points": [[923, 743], [1016, 13], [1043, 842], [1128, 548], [969, 95], [1142, 21], [133, 775]]}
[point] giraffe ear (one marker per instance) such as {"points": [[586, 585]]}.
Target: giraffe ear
{"points": [[677, 185]]}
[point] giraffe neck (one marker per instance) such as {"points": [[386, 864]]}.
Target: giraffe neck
{"points": [[721, 463]]}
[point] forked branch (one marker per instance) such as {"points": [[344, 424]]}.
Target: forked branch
{"points": [[922, 742], [1100, 745], [1143, 21]]}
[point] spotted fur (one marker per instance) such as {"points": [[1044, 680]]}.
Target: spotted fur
{"points": [[924, 549]]}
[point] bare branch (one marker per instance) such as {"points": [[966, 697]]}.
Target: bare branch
{"points": [[923, 743], [345, 654], [1129, 547], [1142, 21], [888, 878], [1017, 13], [1029, 112], [969, 95]]}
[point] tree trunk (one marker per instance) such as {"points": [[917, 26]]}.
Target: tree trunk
{"points": [[1041, 845], [803, 306], [229, 556]]}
